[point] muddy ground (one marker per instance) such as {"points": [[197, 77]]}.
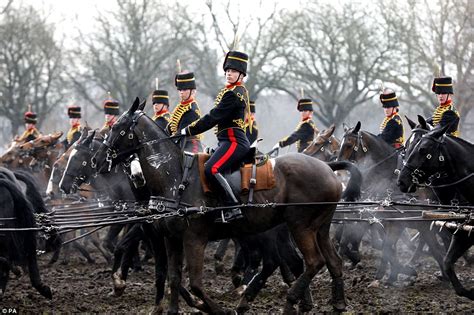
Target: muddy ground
{"points": [[81, 287]]}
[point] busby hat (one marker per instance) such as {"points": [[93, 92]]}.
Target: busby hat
{"points": [[252, 106], [74, 111], [111, 107], [160, 97], [389, 99], [305, 104], [443, 85], [30, 117], [236, 60], [185, 81]]}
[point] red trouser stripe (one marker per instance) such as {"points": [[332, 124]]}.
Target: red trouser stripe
{"points": [[228, 154]]}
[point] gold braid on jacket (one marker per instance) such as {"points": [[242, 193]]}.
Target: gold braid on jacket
{"points": [[71, 133], [438, 114], [177, 114], [239, 122]]}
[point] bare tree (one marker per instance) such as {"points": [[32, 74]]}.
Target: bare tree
{"points": [[430, 34], [31, 65], [265, 38], [130, 47], [338, 56]]}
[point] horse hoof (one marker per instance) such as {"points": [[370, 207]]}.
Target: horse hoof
{"points": [[243, 306], [289, 309], [304, 308], [157, 310], [339, 306], [46, 292], [241, 290]]}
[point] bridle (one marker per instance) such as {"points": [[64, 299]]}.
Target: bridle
{"points": [[359, 143], [112, 153], [417, 174]]}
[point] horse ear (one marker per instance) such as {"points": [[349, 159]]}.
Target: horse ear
{"points": [[422, 122], [83, 134], [88, 140], [345, 127], [357, 127], [142, 105], [92, 137], [134, 106], [331, 129], [410, 122]]}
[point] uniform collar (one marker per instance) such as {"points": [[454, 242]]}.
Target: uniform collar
{"points": [[229, 86], [447, 103], [306, 119], [190, 100], [161, 112]]}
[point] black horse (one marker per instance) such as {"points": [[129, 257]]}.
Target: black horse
{"points": [[299, 179], [439, 156], [18, 248]]}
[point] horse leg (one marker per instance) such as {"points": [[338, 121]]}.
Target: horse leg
{"points": [[83, 252], [111, 237], [241, 261], [55, 256], [219, 255], [418, 251], [123, 254], [305, 238], [334, 264], [98, 244], [460, 243], [271, 261], [35, 278], [174, 250], [194, 247], [435, 248], [392, 233]]}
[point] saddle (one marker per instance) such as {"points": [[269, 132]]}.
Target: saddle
{"points": [[254, 174]]}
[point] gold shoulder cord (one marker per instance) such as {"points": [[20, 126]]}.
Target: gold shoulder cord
{"points": [[178, 112]]}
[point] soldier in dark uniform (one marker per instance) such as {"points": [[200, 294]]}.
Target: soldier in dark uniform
{"points": [[186, 111], [445, 114], [30, 133], [391, 128], [74, 132], [111, 111], [251, 128], [161, 104], [230, 109], [304, 132]]}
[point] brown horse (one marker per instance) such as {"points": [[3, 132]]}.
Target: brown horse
{"points": [[325, 147], [300, 179]]}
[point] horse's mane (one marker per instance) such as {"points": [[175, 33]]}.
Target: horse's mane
{"points": [[32, 191], [461, 141]]}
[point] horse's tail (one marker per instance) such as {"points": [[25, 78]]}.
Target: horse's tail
{"points": [[352, 191], [25, 241], [32, 191]]}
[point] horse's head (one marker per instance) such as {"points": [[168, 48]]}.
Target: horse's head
{"points": [[350, 144], [79, 168], [323, 146], [425, 158], [121, 141]]}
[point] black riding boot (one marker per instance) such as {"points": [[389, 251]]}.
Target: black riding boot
{"points": [[229, 200]]}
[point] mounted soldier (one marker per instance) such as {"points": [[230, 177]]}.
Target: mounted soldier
{"points": [[251, 128], [186, 111], [304, 132], [30, 133], [160, 100], [391, 128], [74, 132], [111, 111], [231, 107], [445, 114]]}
